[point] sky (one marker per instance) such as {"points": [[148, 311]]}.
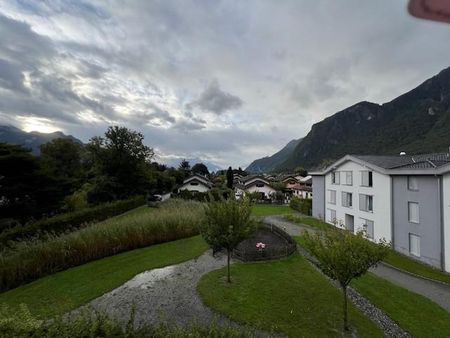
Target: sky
{"points": [[222, 81]]}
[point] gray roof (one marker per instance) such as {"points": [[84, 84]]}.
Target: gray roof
{"points": [[424, 161]]}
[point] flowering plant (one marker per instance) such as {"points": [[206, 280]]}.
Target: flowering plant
{"points": [[260, 246]]}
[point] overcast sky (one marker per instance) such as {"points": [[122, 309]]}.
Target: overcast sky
{"points": [[225, 81]]}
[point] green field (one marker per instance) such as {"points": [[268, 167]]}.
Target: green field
{"points": [[414, 313], [288, 295], [69, 289], [270, 209], [408, 264]]}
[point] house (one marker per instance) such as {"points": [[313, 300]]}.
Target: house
{"points": [[302, 191], [251, 184], [196, 183], [290, 181], [403, 199]]}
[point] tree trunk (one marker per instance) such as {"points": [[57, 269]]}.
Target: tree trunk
{"points": [[344, 292], [228, 264]]}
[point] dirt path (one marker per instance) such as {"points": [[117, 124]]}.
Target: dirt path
{"points": [[167, 293]]}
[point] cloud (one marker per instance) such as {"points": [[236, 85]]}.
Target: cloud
{"points": [[277, 68], [215, 100], [11, 76]]}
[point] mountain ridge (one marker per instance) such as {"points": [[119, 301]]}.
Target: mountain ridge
{"points": [[32, 140], [417, 121], [268, 163]]}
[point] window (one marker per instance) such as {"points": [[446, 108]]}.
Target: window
{"points": [[260, 185], [347, 198], [332, 215], [414, 245], [348, 177], [413, 212], [335, 177], [366, 178], [194, 183], [413, 183], [365, 202], [368, 227], [332, 196]]}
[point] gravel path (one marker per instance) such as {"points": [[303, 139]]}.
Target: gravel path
{"points": [[167, 293], [437, 292]]}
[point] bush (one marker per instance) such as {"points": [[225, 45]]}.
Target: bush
{"points": [[214, 194], [303, 205], [99, 324], [62, 222], [29, 260]]}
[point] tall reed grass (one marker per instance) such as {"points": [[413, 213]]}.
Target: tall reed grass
{"points": [[29, 260]]}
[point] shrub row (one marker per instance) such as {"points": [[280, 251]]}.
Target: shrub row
{"points": [[62, 222], [32, 259], [303, 205], [214, 194], [98, 324]]}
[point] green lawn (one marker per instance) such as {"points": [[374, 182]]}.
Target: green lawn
{"points": [[288, 295], [311, 221], [408, 264], [414, 313], [270, 209], [69, 289]]}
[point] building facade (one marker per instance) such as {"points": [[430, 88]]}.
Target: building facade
{"points": [[402, 199]]}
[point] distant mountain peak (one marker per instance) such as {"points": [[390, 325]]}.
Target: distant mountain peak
{"points": [[32, 140], [268, 163]]}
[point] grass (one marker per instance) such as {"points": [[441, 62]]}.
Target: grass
{"points": [[270, 209], [288, 295], [311, 221], [418, 315], [32, 259], [408, 264], [67, 290], [394, 258]]}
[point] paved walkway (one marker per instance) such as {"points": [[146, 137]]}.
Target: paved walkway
{"points": [[435, 291]]}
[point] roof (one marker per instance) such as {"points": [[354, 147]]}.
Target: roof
{"points": [[199, 178], [435, 164]]}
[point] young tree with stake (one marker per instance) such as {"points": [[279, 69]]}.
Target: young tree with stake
{"points": [[344, 256], [227, 223]]}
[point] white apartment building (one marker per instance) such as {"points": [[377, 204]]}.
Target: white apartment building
{"points": [[403, 199]]}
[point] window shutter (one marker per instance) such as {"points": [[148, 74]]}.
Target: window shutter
{"points": [[362, 202]]}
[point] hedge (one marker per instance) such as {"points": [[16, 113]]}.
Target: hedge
{"points": [[75, 219], [303, 205]]}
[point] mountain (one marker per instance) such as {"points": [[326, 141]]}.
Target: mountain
{"points": [[269, 163], [415, 122], [175, 162], [31, 140]]}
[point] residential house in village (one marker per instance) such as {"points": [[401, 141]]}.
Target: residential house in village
{"points": [[403, 199], [196, 183], [251, 184]]}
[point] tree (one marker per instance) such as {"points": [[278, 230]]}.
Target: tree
{"points": [[25, 191], [201, 169], [230, 178], [120, 163], [227, 224], [344, 256], [185, 168], [301, 171], [61, 158]]}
